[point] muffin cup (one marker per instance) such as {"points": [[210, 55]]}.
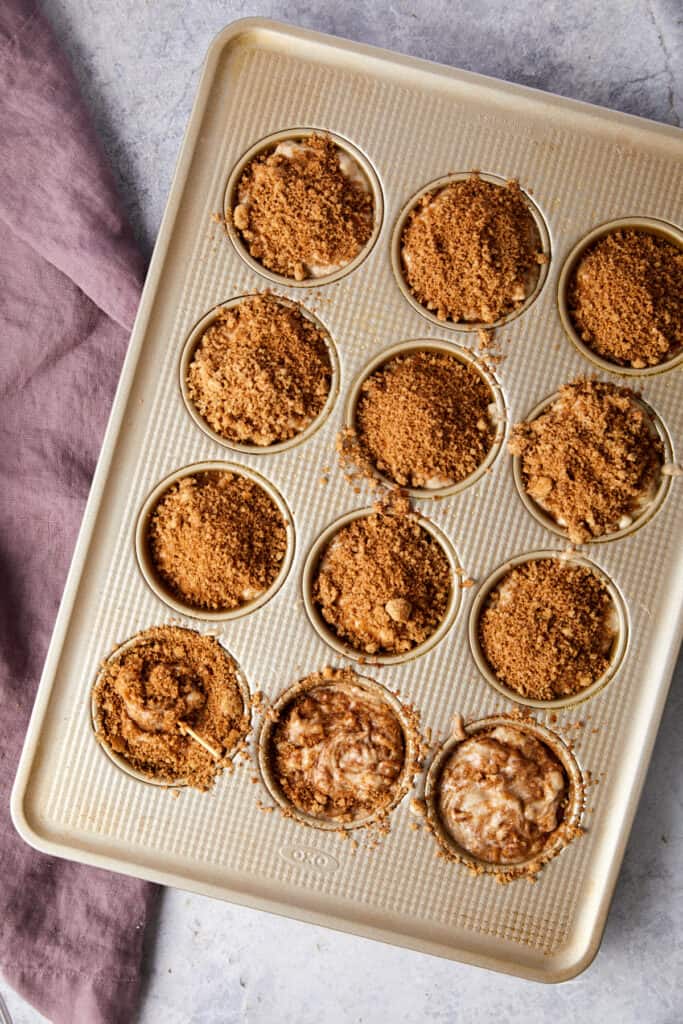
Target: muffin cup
{"points": [[326, 633], [468, 359], [269, 143], [146, 563], [619, 644], [662, 229]]}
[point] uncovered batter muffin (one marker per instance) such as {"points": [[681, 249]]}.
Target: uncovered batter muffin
{"points": [[424, 420], [471, 251], [261, 372], [305, 208], [167, 678], [217, 540], [383, 584], [548, 628], [337, 750], [591, 459], [626, 298], [502, 795]]}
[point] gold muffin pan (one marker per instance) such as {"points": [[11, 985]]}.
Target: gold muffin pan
{"points": [[411, 126]]}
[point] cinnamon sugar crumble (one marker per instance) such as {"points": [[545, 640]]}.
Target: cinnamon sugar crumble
{"points": [[261, 372], [591, 459], [383, 584], [217, 540], [471, 251], [168, 677], [305, 208], [424, 420], [626, 298], [548, 629]]}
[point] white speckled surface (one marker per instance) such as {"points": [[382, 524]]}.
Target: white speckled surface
{"points": [[212, 963]]}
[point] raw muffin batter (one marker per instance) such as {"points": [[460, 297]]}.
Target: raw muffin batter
{"points": [[626, 298], [383, 584], [261, 372], [591, 459], [501, 795], [548, 628], [338, 748], [425, 420], [471, 251], [167, 678], [304, 209], [217, 540]]}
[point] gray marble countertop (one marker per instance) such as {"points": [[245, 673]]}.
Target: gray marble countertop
{"points": [[212, 963]]}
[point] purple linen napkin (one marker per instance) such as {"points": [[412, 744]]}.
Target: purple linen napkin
{"points": [[70, 277]]}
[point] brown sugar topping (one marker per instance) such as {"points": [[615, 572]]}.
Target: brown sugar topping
{"points": [[548, 628], [337, 750], [261, 372], [626, 298], [423, 420], [591, 459], [471, 251], [217, 540], [383, 584], [169, 677], [304, 208]]}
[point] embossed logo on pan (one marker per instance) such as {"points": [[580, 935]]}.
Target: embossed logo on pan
{"points": [[310, 858]]}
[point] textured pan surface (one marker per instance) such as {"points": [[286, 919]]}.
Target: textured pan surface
{"points": [[415, 122]]}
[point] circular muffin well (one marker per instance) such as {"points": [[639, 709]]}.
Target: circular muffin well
{"points": [[611, 616], [646, 225], [483, 284], [178, 503], [269, 373], [351, 180], [377, 379], [156, 682], [339, 776]]}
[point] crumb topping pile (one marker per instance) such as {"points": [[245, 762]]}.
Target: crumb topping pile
{"points": [[303, 209], [261, 372], [471, 251], [217, 540], [548, 628], [626, 298], [383, 584], [501, 795], [337, 749], [591, 459], [168, 677], [423, 420]]}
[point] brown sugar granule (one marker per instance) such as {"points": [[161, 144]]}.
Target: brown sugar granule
{"points": [[591, 459], [548, 628], [337, 749], [471, 250], [261, 372], [217, 540], [304, 208], [169, 677], [626, 298], [424, 420], [383, 584]]}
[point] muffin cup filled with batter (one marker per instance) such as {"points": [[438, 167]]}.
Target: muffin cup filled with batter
{"points": [[259, 373], [215, 541], [470, 250], [548, 629], [303, 207], [381, 586], [156, 684], [338, 751], [504, 796], [620, 296], [426, 416], [588, 461]]}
